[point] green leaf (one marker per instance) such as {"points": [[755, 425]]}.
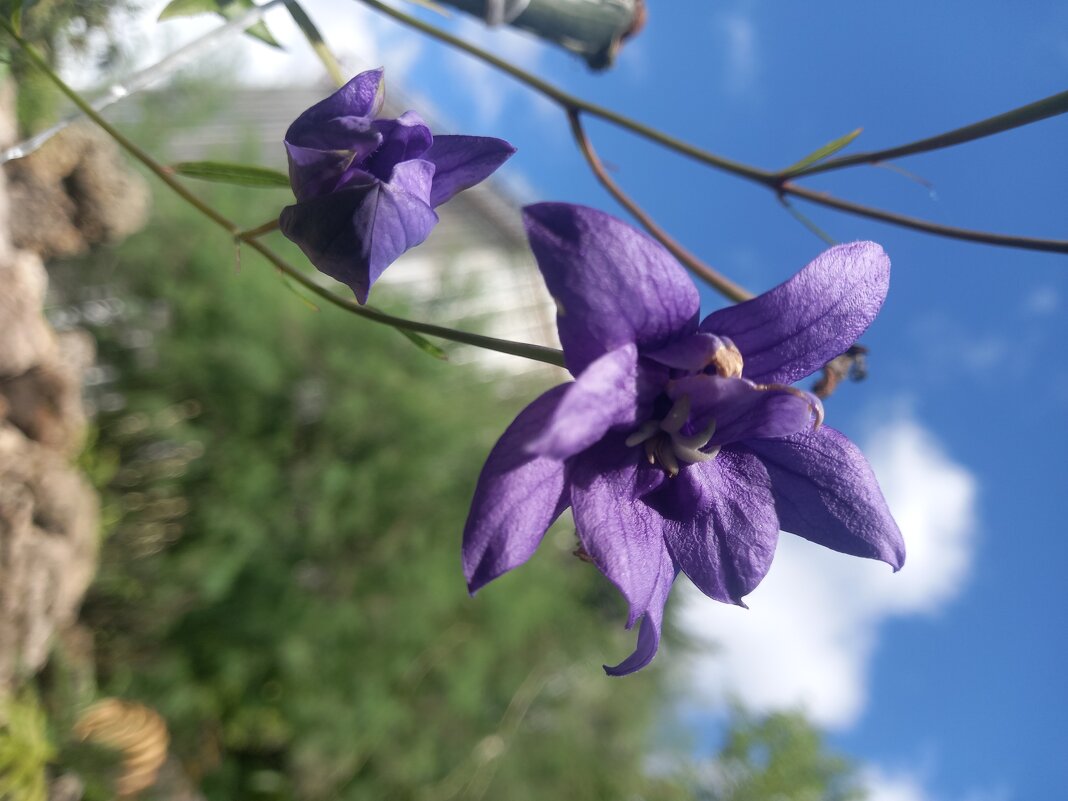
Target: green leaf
{"points": [[239, 174], [826, 151], [186, 8], [231, 9], [425, 345], [227, 9]]}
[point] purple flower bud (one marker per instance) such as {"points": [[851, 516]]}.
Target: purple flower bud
{"points": [[367, 188]]}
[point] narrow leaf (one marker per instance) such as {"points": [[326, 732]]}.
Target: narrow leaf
{"points": [[826, 151], [239, 174], [806, 221], [231, 9], [187, 8], [425, 345]]}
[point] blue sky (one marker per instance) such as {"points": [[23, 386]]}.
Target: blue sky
{"points": [[947, 678]]}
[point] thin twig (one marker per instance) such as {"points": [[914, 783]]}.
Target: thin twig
{"points": [[776, 181], [719, 282], [534, 352], [1024, 115], [917, 224], [315, 39], [260, 230]]}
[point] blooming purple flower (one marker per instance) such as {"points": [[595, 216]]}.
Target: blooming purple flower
{"points": [[367, 188], [681, 445]]}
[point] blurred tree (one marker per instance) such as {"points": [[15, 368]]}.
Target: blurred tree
{"points": [[282, 581], [776, 757]]}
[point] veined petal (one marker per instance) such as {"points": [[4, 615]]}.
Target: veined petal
{"points": [[360, 97], [462, 162], [612, 284], [652, 622], [692, 353], [403, 139], [604, 395], [825, 491], [518, 497], [623, 535], [741, 410], [319, 171], [354, 234], [797, 327], [725, 548]]}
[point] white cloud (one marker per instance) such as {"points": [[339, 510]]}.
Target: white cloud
{"points": [[1042, 300], [812, 627], [359, 38], [898, 787], [487, 88], [741, 64]]}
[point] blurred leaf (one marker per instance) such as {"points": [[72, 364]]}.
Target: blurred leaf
{"points": [[226, 173], [187, 8], [425, 345], [826, 151], [228, 9]]}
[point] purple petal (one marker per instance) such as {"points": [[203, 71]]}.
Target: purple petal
{"points": [[403, 139], [314, 172], [612, 284], [652, 621], [603, 396], [624, 536], [825, 491], [360, 97], [517, 498], [800, 325], [462, 162], [743, 411], [354, 234], [693, 353], [725, 548]]}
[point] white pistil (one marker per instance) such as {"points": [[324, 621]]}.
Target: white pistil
{"points": [[665, 446], [644, 432], [675, 419]]}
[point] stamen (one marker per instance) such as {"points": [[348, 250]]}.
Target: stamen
{"points": [[650, 451], [677, 417], [666, 457], [644, 431]]}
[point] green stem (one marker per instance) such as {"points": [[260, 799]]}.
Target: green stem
{"points": [[916, 224], [778, 182], [1024, 115], [315, 39], [534, 352]]}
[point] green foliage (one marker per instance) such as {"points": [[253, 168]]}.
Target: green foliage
{"points": [[237, 174], [25, 749], [778, 756], [52, 26], [227, 9], [284, 584]]}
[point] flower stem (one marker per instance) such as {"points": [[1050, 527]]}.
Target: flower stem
{"points": [[1024, 115], [718, 281], [534, 352], [778, 182]]}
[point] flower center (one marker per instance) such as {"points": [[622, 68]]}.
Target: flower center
{"points": [[665, 444]]}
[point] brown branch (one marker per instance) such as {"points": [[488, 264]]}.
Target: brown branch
{"points": [[713, 278], [917, 224]]}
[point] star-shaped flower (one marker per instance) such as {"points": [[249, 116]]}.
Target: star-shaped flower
{"points": [[681, 445], [367, 188]]}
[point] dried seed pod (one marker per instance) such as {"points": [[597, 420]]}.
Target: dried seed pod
{"points": [[136, 731]]}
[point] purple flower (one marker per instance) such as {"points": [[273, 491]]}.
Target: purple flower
{"points": [[367, 188], [681, 446]]}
